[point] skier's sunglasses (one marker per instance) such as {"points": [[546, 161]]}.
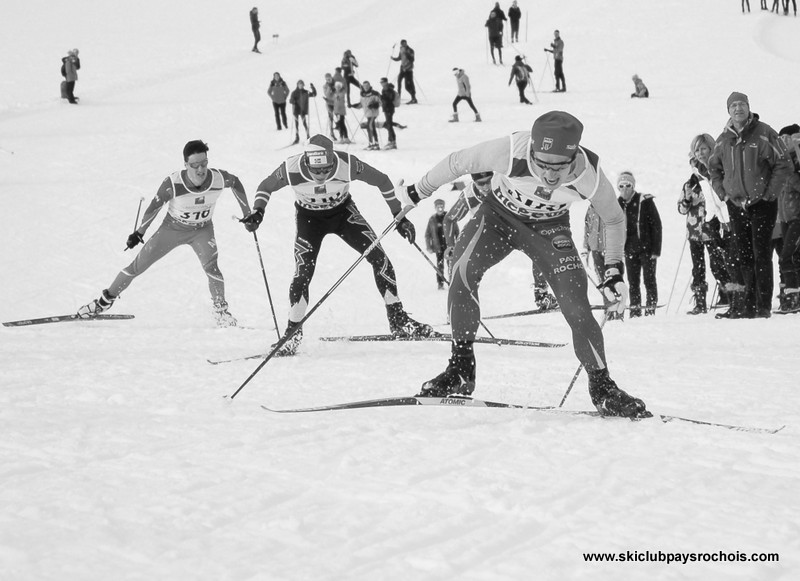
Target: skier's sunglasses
{"points": [[552, 166]]}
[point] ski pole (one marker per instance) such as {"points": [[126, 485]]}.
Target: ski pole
{"points": [[266, 284], [578, 371], [138, 211], [264, 274], [290, 332], [444, 278], [672, 290], [391, 58]]}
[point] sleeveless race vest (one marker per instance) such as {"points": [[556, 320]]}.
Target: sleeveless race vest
{"points": [[311, 195], [194, 208], [525, 195]]}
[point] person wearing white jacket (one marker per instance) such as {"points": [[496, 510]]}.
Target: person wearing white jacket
{"points": [[464, 94], [706, 215]]}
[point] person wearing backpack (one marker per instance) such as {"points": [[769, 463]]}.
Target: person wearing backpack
{"points": [[406, 57], [522, 73]]}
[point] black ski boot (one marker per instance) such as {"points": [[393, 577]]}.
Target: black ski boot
{"points": [[610, 400], [97, 306], [403, 326], [290, 347], [457, 379]]}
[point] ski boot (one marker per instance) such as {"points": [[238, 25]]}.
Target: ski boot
{"points": [[222, 316], [610, 400], [457, 379], [290, 347], [403, 326], [97, 306], [544, 299], [454, 118]]}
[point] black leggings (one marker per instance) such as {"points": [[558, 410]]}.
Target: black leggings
{"points": [[469, 102], [347, 223]]}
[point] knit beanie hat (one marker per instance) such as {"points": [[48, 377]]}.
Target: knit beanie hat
{"points": [[736, 96], [438, 202], [626, 177], [790, 129], [319, 151], [556, 132]]}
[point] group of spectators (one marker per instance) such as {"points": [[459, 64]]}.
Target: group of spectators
{"points": [[776, 6]]}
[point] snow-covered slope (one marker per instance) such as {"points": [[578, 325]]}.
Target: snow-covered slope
{"points": [[120, 457]]}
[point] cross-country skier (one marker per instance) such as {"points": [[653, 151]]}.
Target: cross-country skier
{"points": [[537, 176], [320, 178], [191, 195]]}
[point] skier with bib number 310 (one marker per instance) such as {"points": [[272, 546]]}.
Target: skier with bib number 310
{"points": [[537, 176], [192, 195]]}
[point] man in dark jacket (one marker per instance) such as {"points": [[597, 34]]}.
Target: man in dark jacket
{"points": [[255, 24], [389, 101], [514, 14], [642, 244], [748, 169], [495, 31], [521, 72], [407, 57], [435, 240]]}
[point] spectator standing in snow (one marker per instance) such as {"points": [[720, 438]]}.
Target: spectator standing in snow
{"points": [[514, 15], [191, 195], [390, 99], [521, 73], [279, 91], [557, 49], [639, 89], [371, 105], [748, 170], [407, 57], [789, 220], [494, 28], [464, 94], [299, 101], [328, 91], [642, 244], [340, 110], [499, 14], [538, 174], [72, 63], [435, 240], [349, 66], [320, 168], [705, 215], [255, 24]]}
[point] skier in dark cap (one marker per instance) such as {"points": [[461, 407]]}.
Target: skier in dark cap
{"points": [[537, 176]]}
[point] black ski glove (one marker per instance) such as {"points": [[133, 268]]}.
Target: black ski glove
{"points": [[614, 289], [253, 220], [134, 239], [407, 230]]}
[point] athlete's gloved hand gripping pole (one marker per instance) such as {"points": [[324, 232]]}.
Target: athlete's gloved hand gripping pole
{"points": [[135, 237], [282, 341], [614, 289]]}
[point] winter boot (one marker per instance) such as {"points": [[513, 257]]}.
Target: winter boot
{"points": [[391, 145], [610, 400], [699, 300], [223, 316], [413, 101], [792, 300], [636, 311], [478, 117], [403, 326], [457, 379], [289, 348], [97, 306], [454, 118]]}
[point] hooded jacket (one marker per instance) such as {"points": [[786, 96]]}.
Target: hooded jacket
{"points": [[750, 165]]}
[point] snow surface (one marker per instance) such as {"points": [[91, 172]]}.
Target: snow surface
{"points": [[120, 457]]}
